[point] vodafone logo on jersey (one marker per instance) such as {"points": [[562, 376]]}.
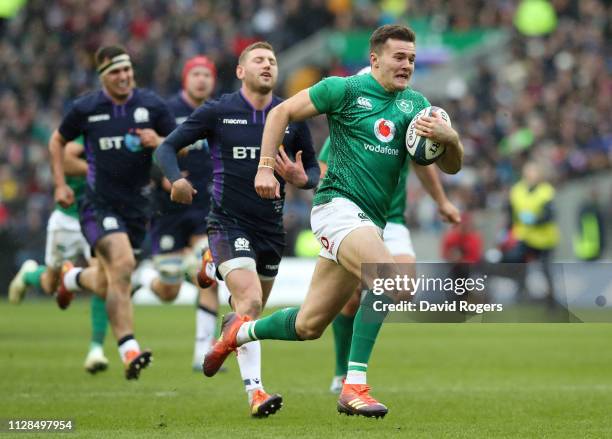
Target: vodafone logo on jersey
{"points": [[384, 130]]}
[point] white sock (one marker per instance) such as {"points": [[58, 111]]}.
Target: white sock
{"points": [[356, 376], [126, 346], [145, 278], [205, 331], [249, 361], [70, 279], [246, 333]]}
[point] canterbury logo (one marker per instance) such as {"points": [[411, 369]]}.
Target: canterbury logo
{"points": [[364, 103]]}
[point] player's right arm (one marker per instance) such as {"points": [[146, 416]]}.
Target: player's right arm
{"points": [[296, 108], [63, 194], [74, 165], [71, 127], [196, 127], [326, 96], [324, 157]]}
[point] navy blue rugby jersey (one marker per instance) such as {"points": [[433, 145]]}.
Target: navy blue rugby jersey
{"points": [[234, 129], [119, 166]]}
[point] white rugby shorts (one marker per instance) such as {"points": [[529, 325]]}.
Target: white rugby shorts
{"points": [[64, 240], [397, 239], [332, 222]]}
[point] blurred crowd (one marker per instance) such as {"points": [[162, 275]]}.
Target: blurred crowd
{"points": [[551, 101]]}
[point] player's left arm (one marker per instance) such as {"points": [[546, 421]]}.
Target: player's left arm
{"points": [[74, 165], [197, 126], [297, 108], [428, 175], [436, 129], [304, 173], [164, 124]]}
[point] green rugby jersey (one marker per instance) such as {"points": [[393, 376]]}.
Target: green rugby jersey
{"points": [[398, 201], [367, 127], [77, 184]]}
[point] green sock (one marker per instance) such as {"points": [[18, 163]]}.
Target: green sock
{"points": [[33, 277], [99, 320], [365, 331], [343, 331], [279, 325]]}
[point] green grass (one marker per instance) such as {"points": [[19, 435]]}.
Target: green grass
{"points": [[460, 381]]}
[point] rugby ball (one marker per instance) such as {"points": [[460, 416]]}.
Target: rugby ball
{"points": [[422, 150]]}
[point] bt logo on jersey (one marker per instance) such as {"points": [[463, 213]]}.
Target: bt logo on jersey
{"points": [[107, 143], [131, 142], [243, 152]]}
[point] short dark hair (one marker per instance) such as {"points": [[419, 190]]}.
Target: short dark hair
{"points": [[390, 31], [108, 52], [253, 46]]}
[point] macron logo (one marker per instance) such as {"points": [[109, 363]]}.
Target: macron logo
{"points": [[98, 117], [364, 103], [235, 121]]}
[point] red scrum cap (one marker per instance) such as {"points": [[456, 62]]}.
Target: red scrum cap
{"points": [[198, 61]]}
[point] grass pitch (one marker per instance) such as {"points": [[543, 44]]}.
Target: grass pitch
{"points": [[445, 380]]}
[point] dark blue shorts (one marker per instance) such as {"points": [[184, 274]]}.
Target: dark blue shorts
{"points": [[171, 232], [99, 219], [229, 240]]}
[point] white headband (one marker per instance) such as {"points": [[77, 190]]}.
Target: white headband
{"points": [[122, 60]]}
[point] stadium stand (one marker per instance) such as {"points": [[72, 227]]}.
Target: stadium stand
{"points": [[551, 100]]}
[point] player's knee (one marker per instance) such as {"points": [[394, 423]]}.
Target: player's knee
{"points": [[253, 307], [168, 292], [122, 268], [170, 269], [308, 329], [247, 304]]}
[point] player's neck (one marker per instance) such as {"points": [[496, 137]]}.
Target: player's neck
{"points": [[257, 100], [378, 79], [117, 100], [193, 103]]}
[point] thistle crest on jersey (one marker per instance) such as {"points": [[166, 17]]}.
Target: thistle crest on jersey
{"points": [[384, 130], [141, 115]]}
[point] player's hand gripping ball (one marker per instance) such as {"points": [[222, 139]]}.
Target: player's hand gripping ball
{"points": [[421, 146]]}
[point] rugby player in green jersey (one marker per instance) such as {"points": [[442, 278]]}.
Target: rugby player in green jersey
{"points": [[367, 116], [396, 237], [65, 245]]}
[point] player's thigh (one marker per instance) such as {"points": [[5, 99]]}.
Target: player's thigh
{"points": [[64, 241], [266, 289], [53, 251], [115, 254], [245, 289], [269, 250], [330, 288], [363, 246]]}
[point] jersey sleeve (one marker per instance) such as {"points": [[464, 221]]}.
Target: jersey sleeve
{"points": [[165, 122], [327, 95], [324, 153], [72, 124], [197, 126]]}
